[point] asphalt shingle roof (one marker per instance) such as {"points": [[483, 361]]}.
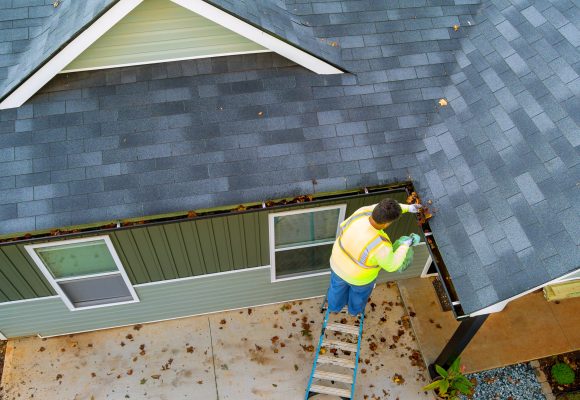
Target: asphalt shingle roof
{"points": [[501, 162]]}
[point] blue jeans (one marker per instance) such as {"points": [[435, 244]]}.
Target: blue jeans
{"points": [[341, 293]]}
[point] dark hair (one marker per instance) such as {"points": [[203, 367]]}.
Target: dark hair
{"points": [[387, 210]]}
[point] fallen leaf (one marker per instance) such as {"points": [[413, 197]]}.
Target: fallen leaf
{"points": [[442, 102], [455, 27], [58, 377], [199, 382], [309, 348], [41, 349], [190, 349], [295, 367], [138, 327], [398, 379], [155, 376], [222, 322]]}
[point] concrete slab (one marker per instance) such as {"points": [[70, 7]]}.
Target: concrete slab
{"points": [[265, 354], [528, 328], [168, 360], [260, 353]]}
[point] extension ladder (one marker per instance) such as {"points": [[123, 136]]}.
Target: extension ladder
{"points": [[345, 364]]}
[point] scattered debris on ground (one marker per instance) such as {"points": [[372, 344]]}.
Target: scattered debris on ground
{"points": [[273, 344]]}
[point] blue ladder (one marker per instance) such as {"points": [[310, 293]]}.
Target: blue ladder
{"points": [[320, 374]]}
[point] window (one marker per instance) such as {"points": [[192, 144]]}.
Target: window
{"points": [[301, 241], [86, 273]]}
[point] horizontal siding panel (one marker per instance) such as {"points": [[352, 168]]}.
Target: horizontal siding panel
{"points": [[158, 30]]}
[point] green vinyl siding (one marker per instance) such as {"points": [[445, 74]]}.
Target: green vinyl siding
{"points": [[174, 299], [160, 30], [182, 249]]}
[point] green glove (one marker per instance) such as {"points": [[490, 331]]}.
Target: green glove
{"points": [[416, 239]]}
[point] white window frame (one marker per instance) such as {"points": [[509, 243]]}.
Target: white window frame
{"points": [[31, 249], [272, 240]]}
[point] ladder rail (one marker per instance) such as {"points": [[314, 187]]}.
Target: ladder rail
{"points": [[360, 331], [324, 323]]}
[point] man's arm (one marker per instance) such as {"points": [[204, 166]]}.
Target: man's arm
{"points": [[390, 260]]}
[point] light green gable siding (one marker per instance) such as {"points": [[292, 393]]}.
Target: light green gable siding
{"points": [[182, 249], [173, 299], [160, 30]]}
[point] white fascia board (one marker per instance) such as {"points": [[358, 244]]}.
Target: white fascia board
{"points": [[2, 337], [262, 38], [56, 64], [497, 307]]}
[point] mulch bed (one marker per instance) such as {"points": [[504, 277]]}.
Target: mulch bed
{"points": [[573, 360]]}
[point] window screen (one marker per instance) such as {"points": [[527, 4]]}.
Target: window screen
{"points": [[301, 241], [84, 272]]}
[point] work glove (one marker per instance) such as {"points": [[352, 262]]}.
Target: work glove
{"points": [[406, 240], [414, 208], [416, 239], [412, 240]]}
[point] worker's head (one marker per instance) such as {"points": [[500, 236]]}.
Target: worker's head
{"points": [[385, 213]]}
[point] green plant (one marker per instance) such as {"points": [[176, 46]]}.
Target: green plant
{"points": [[563, 374], [451, 382]]}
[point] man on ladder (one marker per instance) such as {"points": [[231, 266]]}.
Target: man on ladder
{"points": [[360, 251]]}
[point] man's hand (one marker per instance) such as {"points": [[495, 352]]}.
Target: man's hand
{"points": [[412, 240], [414, 208], [415, 238]]}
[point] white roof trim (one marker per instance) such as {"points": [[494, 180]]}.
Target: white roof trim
{"points": [[41, 77], [262, 38]]}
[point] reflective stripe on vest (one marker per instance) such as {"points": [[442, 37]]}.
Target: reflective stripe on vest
{"points": [[368, 248]]}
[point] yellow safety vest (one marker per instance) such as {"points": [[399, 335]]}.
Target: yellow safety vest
{"points": [[355, 247]]}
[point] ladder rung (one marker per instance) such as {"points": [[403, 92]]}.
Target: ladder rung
{"points": [[333, 376], [337, 344], [341, 362], [343, 328], [330, 390]]}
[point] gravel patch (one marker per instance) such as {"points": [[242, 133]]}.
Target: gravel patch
{"points": [[514, 382]]}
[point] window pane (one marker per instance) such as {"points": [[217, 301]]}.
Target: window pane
{"points": [[95, 291], [305, 260], [308, 227], [77, 259]]}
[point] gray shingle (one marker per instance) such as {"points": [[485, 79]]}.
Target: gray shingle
{"points": [[529, 189]]}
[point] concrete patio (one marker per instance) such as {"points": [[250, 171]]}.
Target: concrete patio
{"points": [[259, 353], [527, 329]]}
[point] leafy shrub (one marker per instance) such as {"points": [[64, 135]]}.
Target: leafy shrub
{"points": [[451, 383], [563, 374]]}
